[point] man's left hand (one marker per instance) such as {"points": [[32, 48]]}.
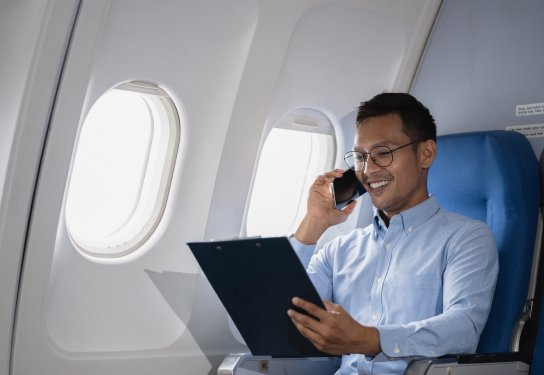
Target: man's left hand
{"points": [[335, 332]]}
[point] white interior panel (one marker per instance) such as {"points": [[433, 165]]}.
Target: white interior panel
{"points": [[140, 303], [33, 42]]}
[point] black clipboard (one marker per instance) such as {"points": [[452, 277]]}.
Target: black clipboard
{"points": [[256, 280]]}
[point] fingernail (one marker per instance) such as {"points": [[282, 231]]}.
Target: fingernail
{"points": [[289, 312], [295, 301]]}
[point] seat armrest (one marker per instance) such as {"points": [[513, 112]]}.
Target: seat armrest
{"points": [[493, 358], [514, 363], [247, 364]]}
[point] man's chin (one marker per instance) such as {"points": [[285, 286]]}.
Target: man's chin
{"points": [[382, 203]]}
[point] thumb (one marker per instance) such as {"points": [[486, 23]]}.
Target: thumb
{"points": [[333, 307], [328, 305], [349, 207], [340, 216]]}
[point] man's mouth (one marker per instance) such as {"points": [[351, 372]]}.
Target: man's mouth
{"points": [[379, 184]]}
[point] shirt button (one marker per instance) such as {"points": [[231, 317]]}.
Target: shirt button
{"points": [[410, 229], [380, 280], [388, 246], [396, 350], [431, 352], [374, 317]]}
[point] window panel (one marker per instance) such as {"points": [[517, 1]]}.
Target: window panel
{"points": [[290, 161], [125, 153]]}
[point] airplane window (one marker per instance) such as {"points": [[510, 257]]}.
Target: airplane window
{"points": [[122, 169], [296, 151]]}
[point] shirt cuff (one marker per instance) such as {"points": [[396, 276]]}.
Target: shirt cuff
{"points": [[394, 344], [304, 252]]}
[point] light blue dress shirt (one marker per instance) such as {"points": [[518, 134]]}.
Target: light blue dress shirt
{"points": [[426, 283]]}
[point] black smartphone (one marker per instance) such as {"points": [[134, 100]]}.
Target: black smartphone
{"points": [[345, 187]]}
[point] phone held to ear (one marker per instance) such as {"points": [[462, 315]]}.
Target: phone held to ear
{"points": [[345, 187]]}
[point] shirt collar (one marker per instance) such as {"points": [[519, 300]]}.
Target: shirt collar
{"points": [[412, 217]]}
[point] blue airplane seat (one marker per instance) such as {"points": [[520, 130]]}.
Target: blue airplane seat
{"points": [[494, 177]]}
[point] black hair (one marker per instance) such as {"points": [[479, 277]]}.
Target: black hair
{"points": [[417, 122]]}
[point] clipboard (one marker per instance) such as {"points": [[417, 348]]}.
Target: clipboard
{"points": [[256, 279]]}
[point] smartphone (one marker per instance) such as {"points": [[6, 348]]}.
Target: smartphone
{"points": [[345, 187]]}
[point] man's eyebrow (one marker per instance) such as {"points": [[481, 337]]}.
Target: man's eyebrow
{"points": [[382, 143]]}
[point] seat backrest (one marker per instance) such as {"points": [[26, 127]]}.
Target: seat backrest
{"points": [[493, 177]]}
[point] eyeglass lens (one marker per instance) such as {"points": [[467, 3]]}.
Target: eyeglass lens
{"points": [[381, 156]]}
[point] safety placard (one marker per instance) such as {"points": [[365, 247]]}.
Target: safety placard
{"points": [[530, 131], [530, 109]]}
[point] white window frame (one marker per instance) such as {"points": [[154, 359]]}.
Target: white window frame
{"points": [[155, 186]]}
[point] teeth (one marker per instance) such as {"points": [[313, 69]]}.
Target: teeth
{"points": [[376, 185]]}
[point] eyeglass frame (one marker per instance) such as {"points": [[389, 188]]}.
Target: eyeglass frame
{"points": [[370, 155]]}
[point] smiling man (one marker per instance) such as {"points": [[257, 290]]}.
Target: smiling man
{"points": [[417, 282]]}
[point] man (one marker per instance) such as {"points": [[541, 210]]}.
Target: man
{"points": [[418, 281]]}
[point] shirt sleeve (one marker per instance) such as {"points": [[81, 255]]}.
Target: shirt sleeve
{"points": [[304, 252], [468, 286], [317, 266]]}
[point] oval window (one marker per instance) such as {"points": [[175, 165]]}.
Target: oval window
{"points": [[122, 169], [299, 148]]}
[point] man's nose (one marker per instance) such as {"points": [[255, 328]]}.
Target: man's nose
{"points": [[371, 167]]}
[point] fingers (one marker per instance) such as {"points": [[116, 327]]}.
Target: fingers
{"points": [[307, 332], [310, 308], [336, 333], [308, 327], [335, 173], [328, 177], [321, 335], [304, 320]]}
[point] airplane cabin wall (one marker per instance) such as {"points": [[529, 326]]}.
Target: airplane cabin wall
{"points": [[232, 69], [33, 43], [483, 59]]}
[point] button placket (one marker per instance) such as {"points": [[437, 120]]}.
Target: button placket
{"points": [[376, 291], [392, 236], [381, 269]]}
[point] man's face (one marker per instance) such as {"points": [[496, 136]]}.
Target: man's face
{"points": [[402, 184]]}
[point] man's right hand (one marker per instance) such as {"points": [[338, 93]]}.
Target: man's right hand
{"points": [[322, 212]]}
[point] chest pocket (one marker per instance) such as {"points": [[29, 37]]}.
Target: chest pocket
{"points": [[415, 297]]}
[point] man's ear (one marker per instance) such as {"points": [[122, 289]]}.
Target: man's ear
{"points": [[427, 153]]}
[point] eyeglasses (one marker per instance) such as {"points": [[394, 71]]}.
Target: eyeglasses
{"points": [[382, 156]]}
